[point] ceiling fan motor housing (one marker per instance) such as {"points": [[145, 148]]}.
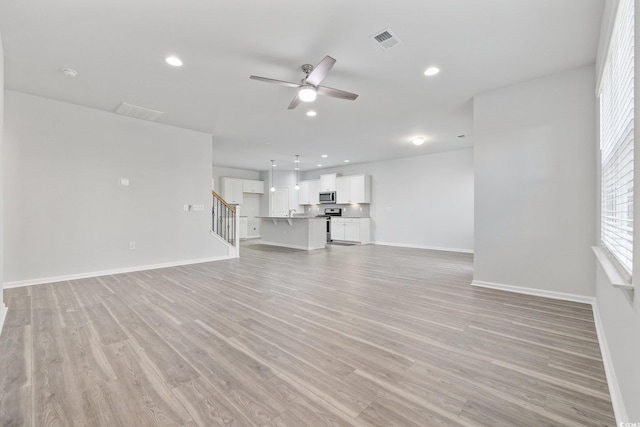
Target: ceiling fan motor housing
{"points": [[307, 68]]}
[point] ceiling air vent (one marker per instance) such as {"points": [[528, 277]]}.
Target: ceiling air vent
{"points": [[138, 112], [386, 39]]}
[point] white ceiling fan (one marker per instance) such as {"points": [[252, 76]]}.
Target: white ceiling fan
{"points": [[309, 86]]}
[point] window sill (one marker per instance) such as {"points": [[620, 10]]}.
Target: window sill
{"points": [[616, 279]]}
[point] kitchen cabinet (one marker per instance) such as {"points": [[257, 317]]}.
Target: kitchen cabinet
{"points": [[353, 189], [309, 191], [252, 186], [328, 182], [351, 229], [232, 189], [343, 191]]}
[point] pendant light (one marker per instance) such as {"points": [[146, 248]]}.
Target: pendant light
{"points": [[297, 168], [273, 188]]}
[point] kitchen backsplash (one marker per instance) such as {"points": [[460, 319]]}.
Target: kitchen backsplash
{"points": [[353, 211]]}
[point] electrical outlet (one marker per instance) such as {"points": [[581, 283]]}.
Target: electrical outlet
{"points": [[132, 245]]}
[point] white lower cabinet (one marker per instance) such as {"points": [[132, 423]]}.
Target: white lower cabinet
{"points": [[243, 227], [351, 229]]}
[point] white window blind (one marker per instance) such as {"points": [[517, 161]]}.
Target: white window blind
{"points": [[616, 140]]}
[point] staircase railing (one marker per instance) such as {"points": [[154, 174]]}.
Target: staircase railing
{"points": [[224, 219]]}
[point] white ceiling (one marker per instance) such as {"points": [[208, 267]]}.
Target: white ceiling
{"points": [[118, 48]]}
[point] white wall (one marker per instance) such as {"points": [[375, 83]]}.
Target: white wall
{"points": [[3, 308], [620, 320], [423, 201], [535, 177], [619, 310], [65, 212]]}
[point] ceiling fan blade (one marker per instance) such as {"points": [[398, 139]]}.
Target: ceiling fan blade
{"points": [[320, 71], [335, 93], [278, 82], [294, 102]]}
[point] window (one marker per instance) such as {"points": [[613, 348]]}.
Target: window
{"points": [[616, 140]]}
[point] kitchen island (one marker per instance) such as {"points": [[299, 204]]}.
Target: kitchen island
{"points": [[297, 232]]}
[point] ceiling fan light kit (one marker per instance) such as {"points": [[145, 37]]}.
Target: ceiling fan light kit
{"points": [[310, 87], [307, 93]]}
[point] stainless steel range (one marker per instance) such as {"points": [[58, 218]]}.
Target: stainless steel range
{"points": [[328, 213]]}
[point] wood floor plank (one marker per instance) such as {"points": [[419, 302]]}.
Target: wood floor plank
{"points": [[142, 391], [19, 312], [168, 363], [340, 394], [15, 376], [104, 324], [232, 373], [363, 335], [56, 400], [208, 406], [307, 405]]}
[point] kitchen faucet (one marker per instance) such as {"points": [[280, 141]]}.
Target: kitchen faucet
{"points": [[291, 210]]}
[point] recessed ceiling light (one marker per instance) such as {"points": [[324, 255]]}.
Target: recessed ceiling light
{"points": [[419, 140], [69, 72], [324, 156], [319, 166], [347, 161], [311, 113], [431, 71], [172, 60]]}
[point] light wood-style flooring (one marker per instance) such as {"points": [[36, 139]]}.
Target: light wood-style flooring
{"points": [[347, 336]]}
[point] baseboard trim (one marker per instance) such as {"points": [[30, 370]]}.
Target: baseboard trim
{"points": [[431, 248], [54, 279], [535, 292], [619, 409]]}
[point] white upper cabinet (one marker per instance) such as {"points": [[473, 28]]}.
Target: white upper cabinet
{"points": [[309, 192], [353, 189], [360, 188], [343, 190], [252, 186], [328, 182], [232, 189]]}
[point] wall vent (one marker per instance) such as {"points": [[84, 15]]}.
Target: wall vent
{"points": [[138, 112], [386, 39]]}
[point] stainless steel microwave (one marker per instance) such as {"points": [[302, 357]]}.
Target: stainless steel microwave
{"points": [[327, 197]]}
